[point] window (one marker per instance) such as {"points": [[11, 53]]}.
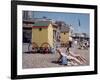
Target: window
{"points": [[40, 29], [64, 33]]}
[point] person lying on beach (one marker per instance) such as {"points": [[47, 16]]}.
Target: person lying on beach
{"points": [[77, 56], [63, 53]]}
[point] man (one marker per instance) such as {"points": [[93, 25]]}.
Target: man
{"points": [[70, 42]]}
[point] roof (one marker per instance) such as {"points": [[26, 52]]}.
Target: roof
{"points": [[41, 24], [85, 35], [29, 21], [65, 28]]}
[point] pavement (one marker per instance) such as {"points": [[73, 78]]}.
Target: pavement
{"points": [[38, 60]]}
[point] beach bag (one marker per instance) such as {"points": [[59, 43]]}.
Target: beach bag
{"points": [[64, 60]]}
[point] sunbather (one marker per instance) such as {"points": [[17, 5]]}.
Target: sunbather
{"points": [[63, 53], [77, 56]]}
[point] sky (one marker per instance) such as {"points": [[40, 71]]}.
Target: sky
{"points": [[79, 21]]}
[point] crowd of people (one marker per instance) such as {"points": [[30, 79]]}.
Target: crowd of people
{"points": [[84, 44]]}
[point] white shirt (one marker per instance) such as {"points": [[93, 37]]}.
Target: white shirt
{"points": [[70, 38], [63, 51]]}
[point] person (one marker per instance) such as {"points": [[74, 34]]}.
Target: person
{"points": [[75, 45], [77, 56], [70, 41], [62, 56], [66, 54]]}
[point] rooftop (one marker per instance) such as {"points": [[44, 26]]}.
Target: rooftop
{"points": [[41, 24], [65, 28]]}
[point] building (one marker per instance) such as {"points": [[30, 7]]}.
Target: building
{"points": [[80, 36], [27, 15], [43, 33], [27, 30], [64, 35], [27, 26]]}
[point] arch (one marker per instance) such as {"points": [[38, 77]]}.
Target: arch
{"points": [[46, 48], [45, 44], [34, 45]]}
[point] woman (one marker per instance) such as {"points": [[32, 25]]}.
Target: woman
{"points": [[63, 53], [77, 56]]}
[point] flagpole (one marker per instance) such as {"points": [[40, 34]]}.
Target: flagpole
{"points": [[79, 29]]}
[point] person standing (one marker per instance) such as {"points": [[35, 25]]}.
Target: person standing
{"points": [[70, 42]]}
